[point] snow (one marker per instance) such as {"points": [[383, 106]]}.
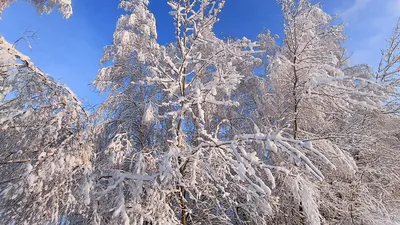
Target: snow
{"points": [[148, 116], [188, 127]]}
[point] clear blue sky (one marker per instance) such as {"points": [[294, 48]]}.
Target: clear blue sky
{"points": [[70, 50]]}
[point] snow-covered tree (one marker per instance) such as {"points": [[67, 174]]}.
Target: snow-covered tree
{"points": [[45, 157], [336, 105], [43, 160], [367, 134], [190, 173], [204, 129], [44, 6]]}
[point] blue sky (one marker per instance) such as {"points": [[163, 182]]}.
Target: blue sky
{"points": [[70, 50]]}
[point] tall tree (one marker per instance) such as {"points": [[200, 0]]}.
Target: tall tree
{"points": [[335, 105], [195, 131], [44, 162], [195, 174]]}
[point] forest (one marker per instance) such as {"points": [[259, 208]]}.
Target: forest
{"points": [[205, 130]]}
